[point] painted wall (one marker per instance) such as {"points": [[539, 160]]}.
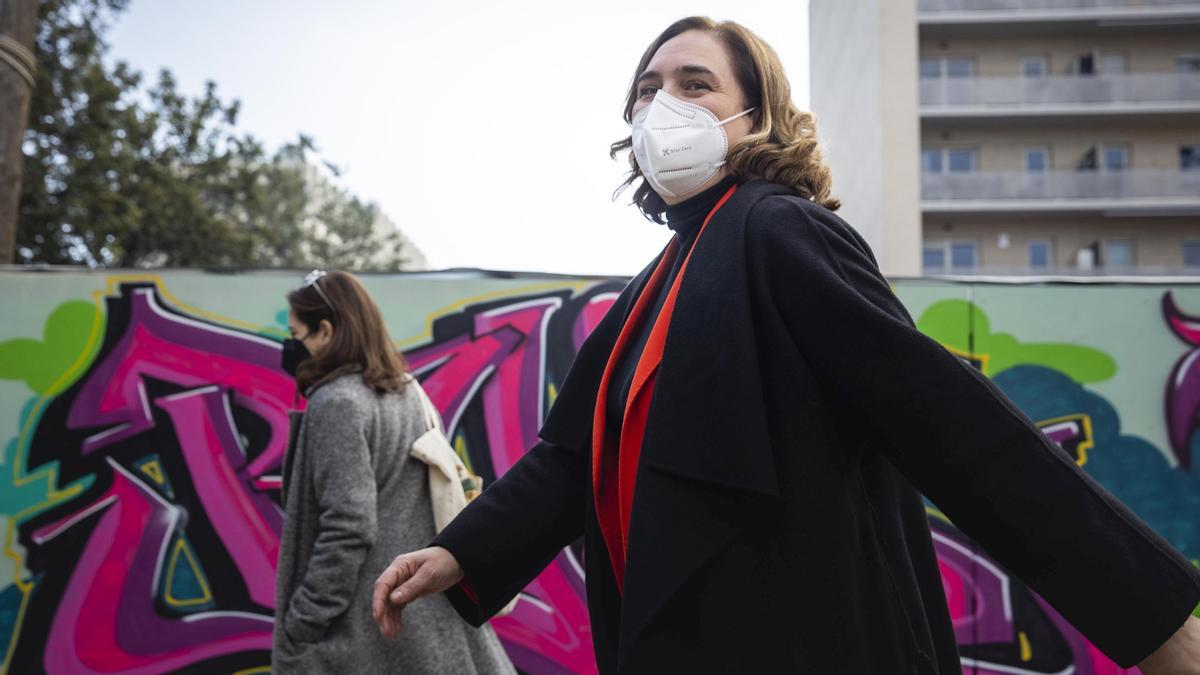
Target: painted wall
{"points": [[144, 420]]}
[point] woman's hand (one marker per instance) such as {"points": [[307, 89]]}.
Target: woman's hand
{"points": [[1178, 656], [411, 576]]}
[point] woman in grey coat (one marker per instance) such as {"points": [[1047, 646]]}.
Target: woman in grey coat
{"points": [[354, 499]]}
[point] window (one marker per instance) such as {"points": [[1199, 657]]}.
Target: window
{"points": [[1188, 64], [1037, 160], [1106, 156], [954, 160], [960, 67], [1118, 253], [933, 257], [1034, 66], [933, 68], [1039, 255], [931, 160], [1086, 64], [1115, 157], [960, 160], [1189, 157], [1112, 64], [1191, 253], [962, 255], [1101, 64]]}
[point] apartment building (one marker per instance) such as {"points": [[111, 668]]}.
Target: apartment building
{"points": [[1055, 136], [324, 191]]}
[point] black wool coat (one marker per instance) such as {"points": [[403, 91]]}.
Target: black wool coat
{"points": [[776, 523]]}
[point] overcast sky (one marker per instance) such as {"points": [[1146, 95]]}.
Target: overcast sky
{"points": [[480, 128]]}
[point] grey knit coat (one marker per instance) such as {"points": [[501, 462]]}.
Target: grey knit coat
{"points": [[354, 500]]}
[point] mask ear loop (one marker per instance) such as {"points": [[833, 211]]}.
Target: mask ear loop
{"points": [[726, 121]]}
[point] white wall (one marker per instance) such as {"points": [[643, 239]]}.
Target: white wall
{"points": [[863, 60]]}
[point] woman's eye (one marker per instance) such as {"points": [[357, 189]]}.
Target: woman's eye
{"points": [[697, 84], [647, 90]]}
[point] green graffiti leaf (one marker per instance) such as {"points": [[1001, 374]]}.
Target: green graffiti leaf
{"points": [[954, 322], [41, 365]]}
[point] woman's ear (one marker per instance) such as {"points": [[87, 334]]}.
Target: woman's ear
{"points": [[325, 329]]}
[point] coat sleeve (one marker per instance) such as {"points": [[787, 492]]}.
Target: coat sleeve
{"points": [[344, 490], [508, 534], [962, 443]]}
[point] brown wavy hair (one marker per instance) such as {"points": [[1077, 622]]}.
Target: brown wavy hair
{"points": [[360, 340], [782, 144]]}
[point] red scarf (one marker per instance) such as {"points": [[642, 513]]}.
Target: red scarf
{"points": [[615, 461]]}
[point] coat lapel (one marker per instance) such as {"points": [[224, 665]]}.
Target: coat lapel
{"points": [[706, 462], [707, 420], [569, 422], [708, 424], [678, 525]]}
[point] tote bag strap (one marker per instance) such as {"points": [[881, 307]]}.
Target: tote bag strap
{"points": [[433, 420]]}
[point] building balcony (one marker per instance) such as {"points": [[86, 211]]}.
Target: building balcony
{"points": [[1124, 193], [964, 16], [1005, 98], [1067, 273]]}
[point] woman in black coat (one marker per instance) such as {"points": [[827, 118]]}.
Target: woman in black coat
{"points": [[744, 439]]}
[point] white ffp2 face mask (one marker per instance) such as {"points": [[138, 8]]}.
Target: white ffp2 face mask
{"points": [[679, 145]]}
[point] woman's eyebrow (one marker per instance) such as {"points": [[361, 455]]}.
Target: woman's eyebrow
{"points": [[649, 74], [695, 70], [690, 69]]}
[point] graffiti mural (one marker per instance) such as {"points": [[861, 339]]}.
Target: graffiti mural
{"points": [[178, 427], [166, 559], [140, 484], [1183, 388]]}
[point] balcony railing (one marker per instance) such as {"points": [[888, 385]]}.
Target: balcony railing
{"points": [[1104, 273], [1138, 90], [1142, 184], [1047, 5]]}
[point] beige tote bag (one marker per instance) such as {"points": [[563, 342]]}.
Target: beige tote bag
{"points": [[451, 486]]}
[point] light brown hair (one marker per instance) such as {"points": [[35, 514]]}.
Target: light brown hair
{"points": [[782, 144], [360, 340]]}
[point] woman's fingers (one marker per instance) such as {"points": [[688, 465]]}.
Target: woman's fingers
{"points": [[395, 619], [408, 578], [433, 570], [385, 613], [391, 621], [383, 585], [417, 586]]}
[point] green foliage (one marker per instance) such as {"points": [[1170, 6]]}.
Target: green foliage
{"points": [[117, 175]]}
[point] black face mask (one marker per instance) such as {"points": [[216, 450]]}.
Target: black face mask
{"points": [[294, 353]]}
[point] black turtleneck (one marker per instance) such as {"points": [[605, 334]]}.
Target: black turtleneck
{"points": [[685, 219]]}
